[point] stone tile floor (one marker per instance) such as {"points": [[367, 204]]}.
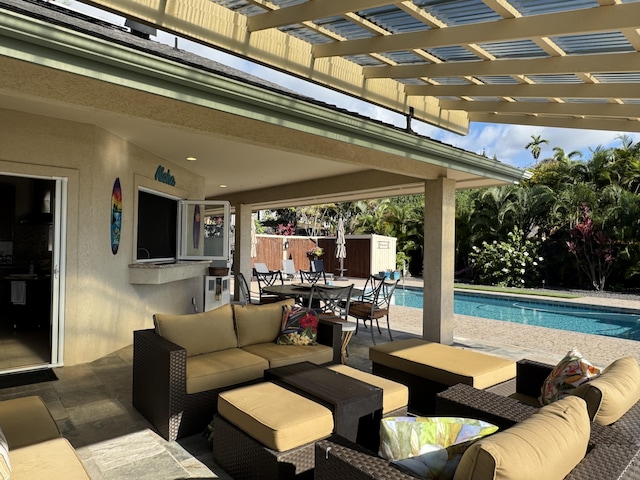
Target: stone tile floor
{"points": [[92, 402]]}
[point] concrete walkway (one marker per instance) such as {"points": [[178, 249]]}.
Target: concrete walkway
{"points": [[92, 402]]}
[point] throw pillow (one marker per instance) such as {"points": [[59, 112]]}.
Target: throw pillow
{"points": [[5, 464], [571, 372], [299, 326], [429, 447]]}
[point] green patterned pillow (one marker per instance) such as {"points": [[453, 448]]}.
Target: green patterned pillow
{"points": [[429, 447], [299, 326]]}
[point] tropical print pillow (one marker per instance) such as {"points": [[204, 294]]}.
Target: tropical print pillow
{"points": [[429, 447], [299, 326], [571, 372]]}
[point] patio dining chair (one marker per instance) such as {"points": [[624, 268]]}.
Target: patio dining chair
{"points": [[373, 304], [307, 276], [332, 304], [243, 288], [267, 280]]}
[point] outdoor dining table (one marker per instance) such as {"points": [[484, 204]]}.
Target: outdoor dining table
{"points": [[302, 290]]}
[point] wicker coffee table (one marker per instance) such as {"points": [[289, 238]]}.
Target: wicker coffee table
{"points": [[356, 406]]}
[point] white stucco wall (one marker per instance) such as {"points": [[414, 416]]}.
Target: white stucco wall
{"points": [[102, 308]]}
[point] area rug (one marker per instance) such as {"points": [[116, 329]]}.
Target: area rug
{"points": [[27, 378]]}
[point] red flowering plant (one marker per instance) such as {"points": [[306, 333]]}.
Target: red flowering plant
{"points": [[593, 250], [299, 326]]}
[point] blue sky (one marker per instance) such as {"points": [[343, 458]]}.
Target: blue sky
{"points": [[502, 141]]}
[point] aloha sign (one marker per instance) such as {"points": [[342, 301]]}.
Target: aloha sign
{"points": [[165, 177]]}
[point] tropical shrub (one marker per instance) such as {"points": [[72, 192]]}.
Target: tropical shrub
{"points": [[511, 263]]}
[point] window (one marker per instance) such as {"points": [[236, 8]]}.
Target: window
{"points": [[157, 224], [203, 227]]}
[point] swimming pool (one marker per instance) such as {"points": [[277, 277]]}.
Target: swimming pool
{"points": [[610, 322]]}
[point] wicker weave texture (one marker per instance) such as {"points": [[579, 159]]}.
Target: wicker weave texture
{"points": [[339, 459], [243, 457]]}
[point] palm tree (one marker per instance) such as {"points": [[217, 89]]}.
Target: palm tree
{"points": [[535, 146]]}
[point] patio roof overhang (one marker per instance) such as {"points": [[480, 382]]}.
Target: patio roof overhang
{"points": [[530, 62], [271, 148]]}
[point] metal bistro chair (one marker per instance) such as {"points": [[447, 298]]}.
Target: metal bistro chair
{"points": [[267, 280], [373, 304], [332, 305], [307, 276], [243, 288]]}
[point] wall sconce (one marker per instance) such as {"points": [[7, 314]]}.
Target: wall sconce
{"points": [[285, 245]]}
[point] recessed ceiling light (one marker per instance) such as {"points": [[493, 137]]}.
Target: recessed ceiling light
{"points": [[222, 185], [191, 159]]}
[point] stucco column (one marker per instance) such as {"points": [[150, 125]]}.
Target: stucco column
{"points": [[439, 252], [242, 253]]}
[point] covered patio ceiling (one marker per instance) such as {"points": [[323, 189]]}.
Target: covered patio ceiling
{"points": [[555, 63], [255, 143]]}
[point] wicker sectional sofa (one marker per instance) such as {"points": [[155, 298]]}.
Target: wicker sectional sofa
{"points": [[181, 365], [601, 441]]}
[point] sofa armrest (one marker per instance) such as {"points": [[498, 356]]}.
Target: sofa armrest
{"points": [[463, 400], [530, 375], [340, 459], [159, 377], [330, 334]]}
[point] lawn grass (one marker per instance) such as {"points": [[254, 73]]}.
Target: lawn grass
{"points": [[516, 291]]}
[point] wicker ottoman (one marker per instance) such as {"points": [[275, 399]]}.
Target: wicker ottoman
{"points": [[428, 368], [264, 431]]}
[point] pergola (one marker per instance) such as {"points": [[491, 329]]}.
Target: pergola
{"points": [[555, 63], [533, 62]]}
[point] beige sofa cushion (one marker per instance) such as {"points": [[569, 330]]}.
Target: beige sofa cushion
{"points": [[259, 323], [26, 421], [275, 416], [223, 368], [53, 459], [280, 355], [394, 395], [199, 333], [443, 363], [547, 445], [610, 395]]}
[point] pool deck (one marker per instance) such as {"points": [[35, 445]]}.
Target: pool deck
{"points": [[525, 341]]}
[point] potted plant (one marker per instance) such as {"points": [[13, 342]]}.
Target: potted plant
{"points": [[315, 253]]}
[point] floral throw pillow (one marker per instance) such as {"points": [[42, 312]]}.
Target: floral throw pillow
{"points": [[571, 372], [429, 447], [299, 326]]}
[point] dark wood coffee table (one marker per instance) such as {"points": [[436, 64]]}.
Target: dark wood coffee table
{"points": [[356, 405]]}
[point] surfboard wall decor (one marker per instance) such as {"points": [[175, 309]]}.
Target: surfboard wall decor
{"points": [[116, 216]]}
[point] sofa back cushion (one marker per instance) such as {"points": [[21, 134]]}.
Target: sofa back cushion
{"points": [[547, 445], [199, 333], [610, 395], [259, 323]]}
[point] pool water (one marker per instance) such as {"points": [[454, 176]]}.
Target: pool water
{"points": [[618, 323]]}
